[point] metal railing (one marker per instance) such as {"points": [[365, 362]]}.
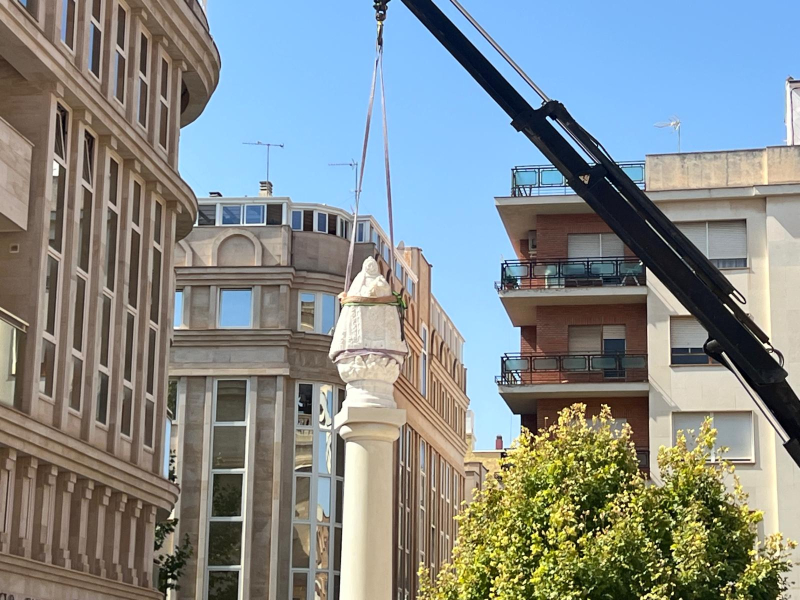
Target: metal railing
{"points": [[570, 272], [539, 368], [545, 180]]}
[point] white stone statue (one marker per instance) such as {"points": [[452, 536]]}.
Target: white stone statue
{"points": [[367, 347]]}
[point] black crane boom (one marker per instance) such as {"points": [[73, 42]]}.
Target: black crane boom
{"points": [[735, 339]]}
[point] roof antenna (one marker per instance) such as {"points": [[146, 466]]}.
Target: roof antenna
{"points": [[353, 164], [268, 147], [674, 124]]}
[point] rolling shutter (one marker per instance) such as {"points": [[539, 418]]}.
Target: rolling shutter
{"points": [[613, 332], [612, 246], [686, 332], [583, 245], [727, 239], [697, 234], [585, 339]]}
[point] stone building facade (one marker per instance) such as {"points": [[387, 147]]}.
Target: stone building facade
{"points": [[92, 98], [260, 466]]}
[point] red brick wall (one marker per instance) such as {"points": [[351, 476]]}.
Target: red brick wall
{"points": [[528, 339], [553, 324], [552, 232], [635, 410]]}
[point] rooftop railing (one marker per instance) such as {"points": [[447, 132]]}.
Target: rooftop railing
{"points": [[546, 180], [518, 369], [570, 272]]}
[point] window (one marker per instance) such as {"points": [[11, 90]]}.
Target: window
{"points": [[101, 414], [164, 104], [112, 219], [178, 318], [274, 214], [149, 422], [318, 312], [68, 23], [322, 222], [96, 37], [228, 490], [297, 220], [318, 492], [236, 309], [231, 214], [362, 232], [85, 225], [423, 372], [734, 431], [207, 215], [120, 73], [136, 237], [32, 6], [594, 245], [687, 338], [723, 242], [596, 339], [144, 78], [410, 287], [254, 214]]}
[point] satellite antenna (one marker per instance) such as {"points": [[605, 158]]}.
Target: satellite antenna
{"points": [[353, 164], [674, 124], [268, 147]]}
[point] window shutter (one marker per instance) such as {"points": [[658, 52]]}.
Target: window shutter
{"points": [[613, 332], [686, 332], [612, 246], [584, 339], [697, 234], [727, 239], [583, 245]]}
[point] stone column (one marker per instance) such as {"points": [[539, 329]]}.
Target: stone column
{"points": [[64, 489], [96, 549], [130, 518], [8, 460], [145, 540], [24, 496], [113, 537], [369, 352], [45, 506], [79, 523]]}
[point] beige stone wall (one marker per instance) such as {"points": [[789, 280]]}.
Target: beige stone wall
{"points": [[15, 178]]}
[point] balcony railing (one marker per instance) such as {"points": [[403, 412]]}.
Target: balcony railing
{"points": [[530, 369], [546, 180], [570, 272]]}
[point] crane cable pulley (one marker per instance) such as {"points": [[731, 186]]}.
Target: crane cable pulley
{"points": [[396, 299]]}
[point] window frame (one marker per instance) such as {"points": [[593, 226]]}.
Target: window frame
{"points": [[97, 23], [220, 293], [707, 250], [710, 413], [121, 52], [179, 316], [143, 80], [64, 34], [709, 362], [164, 102], [424, 360], [319, 308], [243, 471]]}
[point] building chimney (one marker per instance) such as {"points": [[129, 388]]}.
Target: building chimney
{"points": [[793, 112], [498, 443], [215, 194], [266, 189]]}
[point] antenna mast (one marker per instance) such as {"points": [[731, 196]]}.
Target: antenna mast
{"points": [[353, 164], [268, 147], [675, 125]]}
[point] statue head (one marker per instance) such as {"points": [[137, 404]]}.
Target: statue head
{"points": [[370, 267]]}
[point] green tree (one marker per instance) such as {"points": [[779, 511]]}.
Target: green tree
{"points": [[574, 519], [170, 566]]}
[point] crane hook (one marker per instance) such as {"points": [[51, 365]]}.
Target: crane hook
{"points": [[380, 10]]}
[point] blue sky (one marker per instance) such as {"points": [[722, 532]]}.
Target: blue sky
{"points": [[298, 73]]}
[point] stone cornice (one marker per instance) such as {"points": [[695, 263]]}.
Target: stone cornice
{"points": [[55, 447]]}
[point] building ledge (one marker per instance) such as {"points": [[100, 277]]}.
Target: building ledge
{"points": [[521, 304], [522, 399]]}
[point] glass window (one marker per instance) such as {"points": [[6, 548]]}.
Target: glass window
{"points": [[46, 368], [129, 339], [155, 288], [410, 287], [229, 447], [68, 22], [151, 361], [207, 215], [305, 404], [120, 74], [178, 317], [231, 214], [144, 78], [76, 387], [51, 294], [105, 331], [723, 242], [231, 401], [307, 305], [224, 543], [172, 398], [297, 220], [127, 411], [133, 271], [101, 415], [328, 313], [149, 422], [361, 232], [254, 214], [236, 308], [96, 37], [223, 585], [322, 222], [687, 339], [227, 495]]}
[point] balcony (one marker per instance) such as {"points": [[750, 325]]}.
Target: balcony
{"points": [[546, 180], [526, 284], [529, 377]]}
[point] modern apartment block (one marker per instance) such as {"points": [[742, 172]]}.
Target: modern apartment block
{"points": [[92, 98], [260, 466], [597, 328]]}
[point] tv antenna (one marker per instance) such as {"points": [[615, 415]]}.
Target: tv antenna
{"points": [[353, 164], [268, 147], [675, 124]]}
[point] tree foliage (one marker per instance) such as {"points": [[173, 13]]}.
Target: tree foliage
{"points": [[573, 518], [170, 566]]}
